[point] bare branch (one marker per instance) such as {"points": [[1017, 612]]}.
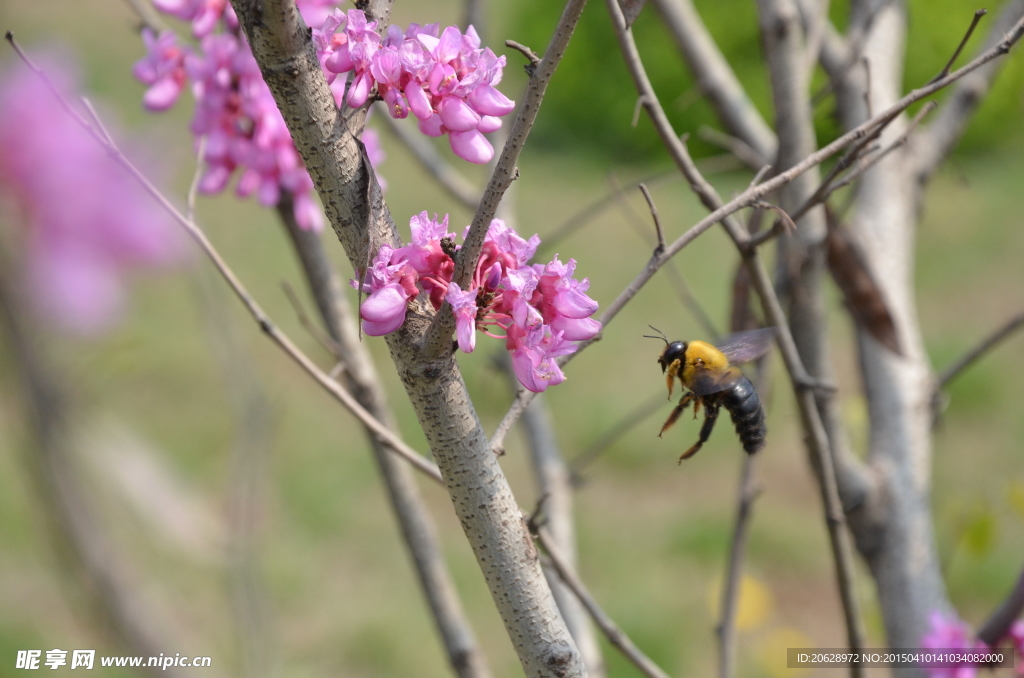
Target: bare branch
{"points": [[611, 630], [998, 625], [818, 441], [620, 428], [325, 340], [726, 629], [590, 212], [986, 345], [530, 55], [963, 43], [939, 138], [555, 489], [654, 215], [741, 149], [873, 159], [716, 78]]}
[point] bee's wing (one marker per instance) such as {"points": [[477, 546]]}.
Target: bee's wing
{"points": [[707, 381], [746, 346]]}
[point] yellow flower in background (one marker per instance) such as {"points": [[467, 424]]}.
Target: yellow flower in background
{"points": [[770, 651], [754, 606]]}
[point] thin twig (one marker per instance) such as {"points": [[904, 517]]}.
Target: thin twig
{"points": [[867, 83], [591, 211], [986, 345], [761, 173], [741, 149], [620, 428], [322, 338], [611, 630], [530, 55], [785, 223], [872, 160], [654, 215], [963, 43], [726, 629], [255, 310], [830, 185], [197, 175], [998, 625]]}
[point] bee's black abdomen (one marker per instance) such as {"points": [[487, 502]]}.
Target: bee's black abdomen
{"points": [[747, 414]]}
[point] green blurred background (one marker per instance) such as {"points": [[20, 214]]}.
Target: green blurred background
{"points": [[155, 407]]}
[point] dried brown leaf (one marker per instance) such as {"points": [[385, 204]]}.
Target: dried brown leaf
{"points": [[863, 297]]}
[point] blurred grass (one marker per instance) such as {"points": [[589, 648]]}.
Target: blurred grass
{"points": [[341, 596]]}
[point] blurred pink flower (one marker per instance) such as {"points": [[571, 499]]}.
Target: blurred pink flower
{"points": [[87, 221], [949, 633]]}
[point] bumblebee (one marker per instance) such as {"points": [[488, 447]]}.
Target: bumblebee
{"points": [[710, 380]]}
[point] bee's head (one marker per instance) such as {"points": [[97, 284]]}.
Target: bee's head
{"points": [[673, 352]]}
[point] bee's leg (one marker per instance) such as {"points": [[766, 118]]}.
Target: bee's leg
{"points": [[670, 376], [710, 417], [697, 401], [684, 402]]}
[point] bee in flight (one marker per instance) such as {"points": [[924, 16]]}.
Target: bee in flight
{"points": [[710, 380]]}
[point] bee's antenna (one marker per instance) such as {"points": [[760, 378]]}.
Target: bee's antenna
{"points": [[661, 335]]}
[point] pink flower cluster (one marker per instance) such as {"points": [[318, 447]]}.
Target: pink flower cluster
{"points": [[445, 80], [87, 222], [542, 309], [947, 632], [235, 110]]}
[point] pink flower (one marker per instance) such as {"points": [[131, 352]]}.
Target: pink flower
{"points": [[464, 307], [163, 69], [949, 633], [87, 221], [447, 82], [533, 358], [390, 283], [505, 294]]}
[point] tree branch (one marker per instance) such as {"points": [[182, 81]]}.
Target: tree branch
{"points": [[938, 139], [616, 636], [986, 345], [418, 530], [716, 78], [726, 629], [998, 625], [478, 488]]}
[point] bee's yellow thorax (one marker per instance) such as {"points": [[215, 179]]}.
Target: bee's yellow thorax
{"points": [[701, 355]]}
